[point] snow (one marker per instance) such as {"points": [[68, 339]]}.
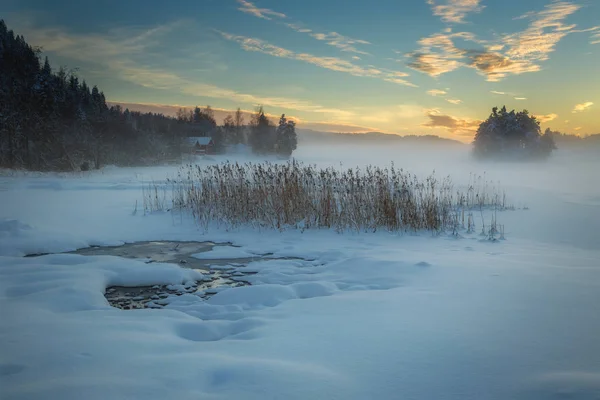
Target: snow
{"points": [[369, 315]]}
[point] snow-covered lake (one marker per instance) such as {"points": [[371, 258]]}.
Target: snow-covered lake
{"points": [[369, 315]]}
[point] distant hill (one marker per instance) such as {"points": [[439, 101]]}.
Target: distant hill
{"points": [[308, 135], [564, 141]]}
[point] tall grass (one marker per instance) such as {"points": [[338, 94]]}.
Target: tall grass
{"points": [[302, 196]]}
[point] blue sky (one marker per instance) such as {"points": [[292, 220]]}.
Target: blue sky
{"points": [[408, 67]]}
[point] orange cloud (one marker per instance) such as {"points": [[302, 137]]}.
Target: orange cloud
{"points": [[513, 54], [546, 118], [458, 126]]}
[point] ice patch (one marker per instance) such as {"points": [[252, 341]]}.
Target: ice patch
{"points": [[224, 252]]}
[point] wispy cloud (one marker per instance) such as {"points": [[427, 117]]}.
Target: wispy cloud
{"points": [[512, 54], [161, 79], [582, 107], [436, 92], [264, 13], [116, 51], [438, 54], [344, 43], [495, 66], [516, 96], [298, 28], [443, 93], [546, 29], [454, 11], [330, 63], [546, 118], [456, 125]]}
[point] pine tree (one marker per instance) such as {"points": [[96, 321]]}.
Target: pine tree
{"points": [[287, 140], [262, 134], [239, 127], [514, 135], [229, 131]]}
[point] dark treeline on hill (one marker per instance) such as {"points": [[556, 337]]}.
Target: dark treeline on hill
{"points": [[564, 140], [309, 135], [53, 121]]}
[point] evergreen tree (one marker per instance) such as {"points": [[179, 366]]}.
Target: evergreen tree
{"points": [[287, 140], [262, 133], [513, 135], [239, 127], [229, 131]]}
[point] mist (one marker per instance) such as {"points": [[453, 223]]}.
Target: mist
{"points": [[561, 194]]}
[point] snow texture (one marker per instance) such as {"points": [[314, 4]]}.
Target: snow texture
{"points": [[369, 315]]}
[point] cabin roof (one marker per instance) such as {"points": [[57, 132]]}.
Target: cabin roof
{"points": [[201, 140]]}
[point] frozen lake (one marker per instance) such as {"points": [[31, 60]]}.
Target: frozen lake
{"points": [[352, 316]]}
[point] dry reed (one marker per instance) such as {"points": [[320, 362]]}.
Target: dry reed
{"points": [[292, 194]]}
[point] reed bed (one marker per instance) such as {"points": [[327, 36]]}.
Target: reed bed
{"points": [[295, 195]]}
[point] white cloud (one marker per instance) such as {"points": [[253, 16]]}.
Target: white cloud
{"points": [[545, 30], [582, 107], [520, 98], [331, 63], [344, 43], [115, 51], [298, 28], [436, 92], [455, 11], [264, 13], [454, 101]]}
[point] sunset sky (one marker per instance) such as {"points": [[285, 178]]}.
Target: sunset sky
{"points": [[407, 67]]}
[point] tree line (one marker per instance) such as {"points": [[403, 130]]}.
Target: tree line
{"points": [[261, 135], [50, 120]]}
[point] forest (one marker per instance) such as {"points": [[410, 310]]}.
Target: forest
{"points": [[52, 120]]}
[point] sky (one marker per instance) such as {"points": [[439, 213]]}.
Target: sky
{"points": [[405, 67]]}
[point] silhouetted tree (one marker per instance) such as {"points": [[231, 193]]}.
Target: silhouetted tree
{"points": [[239, 127], [262, 133], [511, 135], [52, 121], [229, 132], [287, 140]]}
